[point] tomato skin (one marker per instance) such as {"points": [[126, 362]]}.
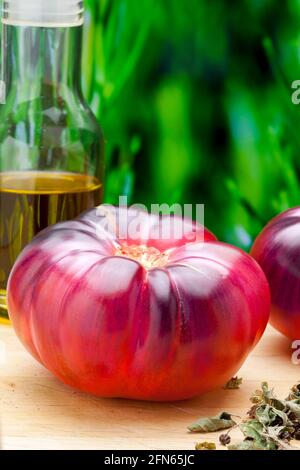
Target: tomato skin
{"points": [[277, 250], [104, 324]]}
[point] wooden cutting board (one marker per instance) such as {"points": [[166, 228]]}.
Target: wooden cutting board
{"points": [[38, 412]]}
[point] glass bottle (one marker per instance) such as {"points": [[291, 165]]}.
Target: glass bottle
{"points": [[51, 146]]}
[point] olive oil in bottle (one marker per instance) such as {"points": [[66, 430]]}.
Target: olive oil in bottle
{"points": [[31, 201], [51, 145]]}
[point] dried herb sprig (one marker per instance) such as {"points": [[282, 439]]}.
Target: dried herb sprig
{"points": [[205, 446], [234, 383], [271, 424], [214, 423], [294, 393]]}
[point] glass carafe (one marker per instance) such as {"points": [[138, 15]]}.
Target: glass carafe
{"points": [[51, 146]]}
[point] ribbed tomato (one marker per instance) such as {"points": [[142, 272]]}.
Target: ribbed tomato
{"points": [[147, 318], [277, 250]]}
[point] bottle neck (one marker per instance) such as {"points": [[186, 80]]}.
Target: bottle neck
{"points": [[36, 59]]}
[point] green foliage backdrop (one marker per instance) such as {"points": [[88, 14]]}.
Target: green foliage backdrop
{"points": [[195, 101]]}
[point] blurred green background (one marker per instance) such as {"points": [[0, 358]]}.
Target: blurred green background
{"points": [[195, 101]]}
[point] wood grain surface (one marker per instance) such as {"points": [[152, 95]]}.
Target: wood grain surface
{"points": [[38, 412]]}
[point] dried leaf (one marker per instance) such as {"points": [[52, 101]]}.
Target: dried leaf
{"points": [[234, 383], [254, 430], [205, 446], [262, 413], [215, 423], [252, 412], [269, 415], [294, 393], [264, 395], [273, 436], [281, 415], [294, 407]]}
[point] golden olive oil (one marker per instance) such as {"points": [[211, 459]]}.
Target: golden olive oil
{"points": [[31, 201]]}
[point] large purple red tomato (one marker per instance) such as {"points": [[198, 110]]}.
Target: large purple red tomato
{"points": [[277, 250], [140, 317]]}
